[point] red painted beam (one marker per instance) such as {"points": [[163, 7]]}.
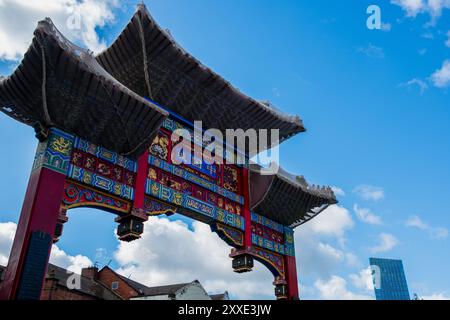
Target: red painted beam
{"points": [[246, 211]]}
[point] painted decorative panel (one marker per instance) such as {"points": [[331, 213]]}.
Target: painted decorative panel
{"points": [[272, 236], [176, 170], [230, 235], [98, 167], [267, 222], [172, 125], [76, 195], [92, 179], [289, 243], [154, 207], [210, 170], [160, 146], [103, 168], [104, 154], [186, 201], [54, 153], [272, 260]]}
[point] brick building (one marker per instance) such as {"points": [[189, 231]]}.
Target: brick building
{"points": [[106, 284]]}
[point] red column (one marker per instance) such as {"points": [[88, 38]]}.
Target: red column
{"points": [[291, 277], [246, 211], [27, 265], [141, 181], [131, 225]]}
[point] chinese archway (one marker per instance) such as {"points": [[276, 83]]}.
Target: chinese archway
{"points": [[104, 125]]}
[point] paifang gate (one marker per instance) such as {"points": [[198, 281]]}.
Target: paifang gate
{"points": [[104, 125]]}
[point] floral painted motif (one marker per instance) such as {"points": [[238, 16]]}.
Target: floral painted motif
{"points": [[76, 195], [160, 146], [230, 178], [54, 153]]}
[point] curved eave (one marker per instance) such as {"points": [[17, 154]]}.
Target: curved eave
{"points": [[59, 84], [178, 81], [287, 200]]}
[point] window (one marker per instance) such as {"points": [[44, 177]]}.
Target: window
{"points": [[115, 285]]}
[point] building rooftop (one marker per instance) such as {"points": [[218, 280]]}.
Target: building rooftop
{"points": [[299, 201], [62, 85], [103, 99], [148, 60], [153, 291], [88, 286]]}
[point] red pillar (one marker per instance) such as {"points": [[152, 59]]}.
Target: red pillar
{"points": [[246, 211], [131, 225], [141, 181], [291, 277], [27, 265]]}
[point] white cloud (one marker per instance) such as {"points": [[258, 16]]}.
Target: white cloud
{"points": [[338, 191], [352, 260], [170, 252], [435, 7], [437, 296], [435, 232], [18, 19], [427, 35], [371, 51], [197, 253], [328, 250], [441, 77], [335, 288], [363, 279], [57, 257], [185, 255], [7, 232], [386, 243], [386, 27], [334, 221], [422, 52], [367, 216], [72, 263], [412, 7], [368, 192], [423, 86], [276, 92], [314, 251], [415, 221]]}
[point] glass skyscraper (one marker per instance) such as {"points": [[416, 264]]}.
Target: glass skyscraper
{"points": [[389, 279]]}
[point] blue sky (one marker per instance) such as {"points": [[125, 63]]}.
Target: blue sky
{"points": [[378, 129]]}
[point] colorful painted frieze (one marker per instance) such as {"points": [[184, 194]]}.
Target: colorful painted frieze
{"points": [[272, 260], [154, 207], [184, 174], [178, 198], [267, 244], [289, 241], [267, 222], [54, 153], [106, 155], [76, 195], [95, 180], [230, 235]]}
